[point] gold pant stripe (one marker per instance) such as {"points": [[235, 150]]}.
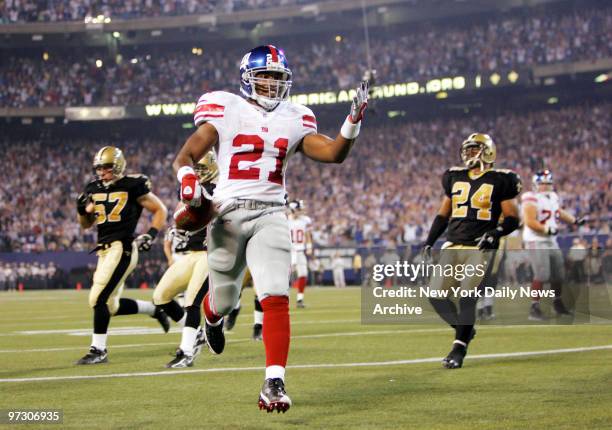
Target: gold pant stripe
{"points": [[188, 275], [114, 266]]}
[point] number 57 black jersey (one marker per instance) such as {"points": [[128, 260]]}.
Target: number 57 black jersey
{"points": [[116, 206], [476, 201]]}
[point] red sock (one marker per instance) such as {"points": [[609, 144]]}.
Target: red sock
{"points": [[296, 284], [536, 286], [301, 284], [276, 329], [211, 316]]}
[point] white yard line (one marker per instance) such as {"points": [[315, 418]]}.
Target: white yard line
{"points": [[307, 366], [241, 340]]}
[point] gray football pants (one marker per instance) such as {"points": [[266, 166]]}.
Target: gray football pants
{"points": [[257, 238]]}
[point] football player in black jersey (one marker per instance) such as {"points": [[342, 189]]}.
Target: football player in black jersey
{"points": [[189, 274], [113, 203], [475, 198]]}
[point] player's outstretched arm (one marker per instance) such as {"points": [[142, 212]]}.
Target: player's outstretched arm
{"points": [[568, 218], [153, 204], [198, 144], [327, 150]]}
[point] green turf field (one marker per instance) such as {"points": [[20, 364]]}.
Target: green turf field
{"points": [[345, 375]]}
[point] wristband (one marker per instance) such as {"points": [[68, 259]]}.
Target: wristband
{"points": [[508, 225], [349, 130], [153, 232], [184, 171]]}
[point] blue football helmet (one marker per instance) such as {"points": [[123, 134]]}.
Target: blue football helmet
{"points": [[266, 58], [542, 177]]}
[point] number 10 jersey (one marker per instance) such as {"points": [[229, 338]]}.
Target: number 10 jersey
{"points": [[254, 145]]}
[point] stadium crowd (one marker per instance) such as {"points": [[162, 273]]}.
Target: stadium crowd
{"points": [[421, 51], [386, 192], [15, 11]]}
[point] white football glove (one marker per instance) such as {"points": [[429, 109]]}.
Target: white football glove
{"points": [[360, 103]]}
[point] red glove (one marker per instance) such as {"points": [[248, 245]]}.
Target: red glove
{"points": [[191, 190]]}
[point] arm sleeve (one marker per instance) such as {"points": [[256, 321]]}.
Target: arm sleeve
{"points": [[512, 186], [308, 122], [446, 183], [211, 108], [141, 187]]}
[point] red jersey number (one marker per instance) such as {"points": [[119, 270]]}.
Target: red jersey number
{"points": [[297, 236], [252, 173]]}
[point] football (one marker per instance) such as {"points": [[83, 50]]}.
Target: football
{"points": [[192, 218]]}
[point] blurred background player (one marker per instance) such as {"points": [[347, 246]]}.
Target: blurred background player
{"points": [[337, 266], [541, 214], [475, 197], [301, 245], [254, 136], [188, 274], [114, 203]]}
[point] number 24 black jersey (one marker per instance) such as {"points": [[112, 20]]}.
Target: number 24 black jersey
{"points": [[476, 201]]}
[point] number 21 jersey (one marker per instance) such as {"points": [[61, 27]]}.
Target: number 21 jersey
{"points": [[254, 145]]}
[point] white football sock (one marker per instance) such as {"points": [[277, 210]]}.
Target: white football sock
{"points": [[99, 341], [145, 307], [300, 296], [257, 317], [188, 339], [275, 372]]}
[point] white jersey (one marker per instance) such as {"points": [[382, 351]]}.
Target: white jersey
{"points": [[254, 145], [299, 226], [547, 204]]}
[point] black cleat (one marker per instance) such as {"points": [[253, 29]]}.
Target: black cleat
{"points": [[257, 332], [215, 339], [535, 313], [181, 360], [230, 321], [94, 356], [199, 343], [300, 304], [162, 318], [560, 308], [454, 359], [274, 397]]}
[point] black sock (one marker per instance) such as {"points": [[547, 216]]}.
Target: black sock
{"points": [[467, 318], [258, 307], [127, 307], [556, 287], [446, 309], [101, 318], [194, 316], [173, 310]]}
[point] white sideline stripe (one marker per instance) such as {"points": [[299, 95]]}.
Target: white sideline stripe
{"points": [[303, 336], [309, 366], [138, 331]]}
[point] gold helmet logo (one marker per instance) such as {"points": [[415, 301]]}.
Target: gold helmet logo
{"points": [[110, 157], [486, 150], [207, 168]]}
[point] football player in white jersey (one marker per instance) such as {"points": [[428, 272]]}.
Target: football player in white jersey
{"points": [[541, 214], [301, 245], [253, 137]]}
